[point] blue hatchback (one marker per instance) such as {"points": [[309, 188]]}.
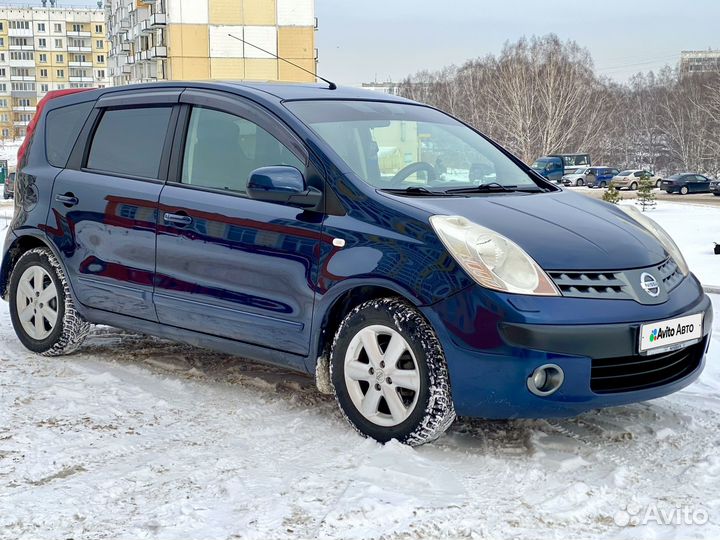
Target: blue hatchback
{"points": [[415, 267]]}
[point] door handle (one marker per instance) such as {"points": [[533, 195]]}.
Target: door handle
{"points": [[177, 219], [68, 199]]}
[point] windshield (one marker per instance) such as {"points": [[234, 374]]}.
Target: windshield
{"points": [[395, 145], [540, 164]]}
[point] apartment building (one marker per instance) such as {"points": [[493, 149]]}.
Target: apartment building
{"points": [[43, 49], [155, 40], [695, 62]]}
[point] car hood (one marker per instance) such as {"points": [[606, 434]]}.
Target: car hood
{"points": [[560, 230]]}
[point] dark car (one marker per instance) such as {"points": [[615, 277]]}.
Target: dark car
{"points": [[8, 186], [599, 177], [685, 183], [715, 187], [259, 219]]}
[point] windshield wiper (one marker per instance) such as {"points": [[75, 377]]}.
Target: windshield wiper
{"points": [[493, 186], [414, 190]]}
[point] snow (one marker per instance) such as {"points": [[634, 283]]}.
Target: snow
{"points": [[9, 150], [136, 437]]}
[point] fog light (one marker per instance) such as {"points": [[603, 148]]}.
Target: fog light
{"points": [[545, 380]]}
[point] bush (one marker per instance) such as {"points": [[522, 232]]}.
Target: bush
{"points": [[612, 195]]}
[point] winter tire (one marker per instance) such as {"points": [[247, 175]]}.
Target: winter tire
{"points": [[579, 182], [684, 190], [658, 183], [389, 373], [633, 186], [603, 185], [41, 305]]}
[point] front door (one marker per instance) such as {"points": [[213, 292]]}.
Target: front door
{"points": [[228, 265], [103, 211]]}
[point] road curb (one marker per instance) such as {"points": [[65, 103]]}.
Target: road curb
{"points": [[711, 289]]}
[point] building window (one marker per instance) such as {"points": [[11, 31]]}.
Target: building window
{"points": [[2, 27], [42, 43], [5, 133], [4, 118], [101, 58], [43, 72], [3, 87], [2, 72], [77, 28], [2, 41], [100, 73], [2, 57], [22, 55], [98, 28], [43, 58], [99, 44], [41, 27], [20, 25], [44, 88], [59, 58], [19, 41], [58, 44], [60, 73], [3, 103], [22, 87], [58, 27]]}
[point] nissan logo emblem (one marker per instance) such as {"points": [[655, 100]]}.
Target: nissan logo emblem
{"points": [[649, 284]]}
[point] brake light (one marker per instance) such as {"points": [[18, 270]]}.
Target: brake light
{"points": [[53, 94]]}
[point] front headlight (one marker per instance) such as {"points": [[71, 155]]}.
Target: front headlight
{"points": [[658, 232], [491, 259]]}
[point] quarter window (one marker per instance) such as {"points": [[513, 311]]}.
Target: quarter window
{"points": [[223, 149], [130, 141]]}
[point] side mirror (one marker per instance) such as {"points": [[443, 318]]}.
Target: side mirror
{"points": [[282, 185]]}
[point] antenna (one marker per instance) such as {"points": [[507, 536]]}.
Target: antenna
{"points": [[331, 85]]}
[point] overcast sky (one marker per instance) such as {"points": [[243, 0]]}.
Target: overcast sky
{"points": [[360, 41], [364, 40]]}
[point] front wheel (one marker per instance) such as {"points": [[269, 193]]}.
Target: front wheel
{"points": [[389, 373], [580, 182], [684, 190], [41, 306], [633, 186], [603, 184]]}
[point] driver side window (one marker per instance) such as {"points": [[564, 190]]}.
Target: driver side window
{"points": [[221, 150]]}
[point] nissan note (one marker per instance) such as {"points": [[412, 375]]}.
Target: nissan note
{"points": [[417, 269]]}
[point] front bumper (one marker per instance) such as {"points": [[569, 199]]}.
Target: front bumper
{"points": [[493, 342]]}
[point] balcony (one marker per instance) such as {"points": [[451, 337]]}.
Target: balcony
{"points": [[22, 78], [22, 63], [79, 49], [125, 47], [20, 32], [79, 34], [22, 47], [24, 109], [158, 20], [157, 52], [127, 68], [80, 79], [80, 64], [20, 123]]}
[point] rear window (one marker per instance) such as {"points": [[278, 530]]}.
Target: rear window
{"points": [[625, 173], [62, 127], [129, 142]]}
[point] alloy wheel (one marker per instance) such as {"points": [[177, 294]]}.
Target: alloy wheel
{"points": [[37, 302], [381, 375]]}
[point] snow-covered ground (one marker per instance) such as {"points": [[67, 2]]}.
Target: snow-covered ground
{"points": [[135, 437], [9, 150]]}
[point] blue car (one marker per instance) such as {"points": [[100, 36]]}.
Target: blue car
{"points": [[415, 268]]}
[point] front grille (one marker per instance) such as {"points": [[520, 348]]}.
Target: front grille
{"points": [[591, 284], [614, 285], [670, 274], [624, 374]]}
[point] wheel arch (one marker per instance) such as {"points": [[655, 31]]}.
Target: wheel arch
{"points": [[337, 303], [20, 245]]}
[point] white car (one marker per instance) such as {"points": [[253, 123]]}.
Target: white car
{"points": [[631, 179]]}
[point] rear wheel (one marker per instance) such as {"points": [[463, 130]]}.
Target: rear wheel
{"points": [[633, 186], [389, 373], [684, 190], [41, 306], [658, 183], [603, 184], [580, 182]]}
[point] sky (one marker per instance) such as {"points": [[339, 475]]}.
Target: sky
{"points": [[379, 40]]}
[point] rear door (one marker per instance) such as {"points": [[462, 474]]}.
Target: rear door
{"points": [[104, 204], [228, 265]]}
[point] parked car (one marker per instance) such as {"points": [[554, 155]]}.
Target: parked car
{"points": [[257, 219], [591, 177], [631, 179], [685, 183], [9, 186], [555, 166], [715, 187]]}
